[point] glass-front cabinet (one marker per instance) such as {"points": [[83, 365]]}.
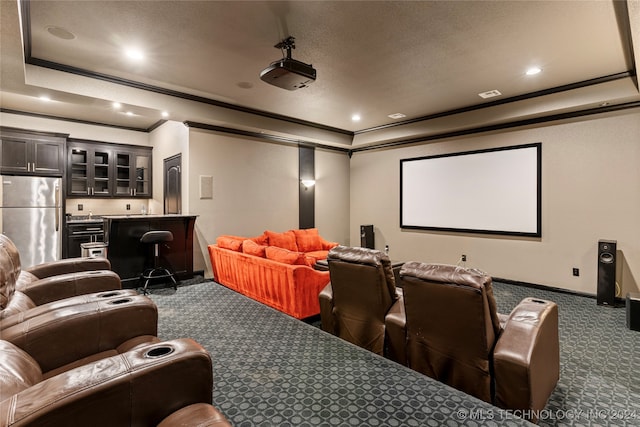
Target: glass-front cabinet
{"points": [[133, 174], [97, 169], [88, 171]]}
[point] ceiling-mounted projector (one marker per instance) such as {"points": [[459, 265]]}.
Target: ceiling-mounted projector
{"points": [[288, 73]]}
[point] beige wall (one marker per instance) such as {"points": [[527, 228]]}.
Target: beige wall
{"points": [[75, 130], [590, 191], [255, 188], [168, 140], [332, 195]]}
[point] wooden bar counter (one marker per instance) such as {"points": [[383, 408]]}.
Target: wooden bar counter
{"points": [[129, 257]]}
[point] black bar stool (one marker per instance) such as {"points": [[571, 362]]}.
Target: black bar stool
{"points": [[157, 272]]}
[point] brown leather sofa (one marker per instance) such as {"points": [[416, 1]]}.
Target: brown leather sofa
{"points": [[167, 384], [454, 334], [74, 335], [50, 292], [354, 304], [30, 274]]}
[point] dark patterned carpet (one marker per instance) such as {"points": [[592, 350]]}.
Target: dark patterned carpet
{"points": [[273, 370]]}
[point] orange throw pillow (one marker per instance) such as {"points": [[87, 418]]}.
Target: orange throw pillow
{"points": [[286, 240], [262, 240], [285, 256], [252, 248], [231, 243], [308, 240]]}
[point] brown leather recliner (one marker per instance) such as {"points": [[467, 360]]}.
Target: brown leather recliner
{"points": [[75, 335], [24, 277], [61, 289], [455, 335], [166, 384], [354, 304]]}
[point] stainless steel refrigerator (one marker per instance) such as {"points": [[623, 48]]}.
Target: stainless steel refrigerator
{"points": [[31, 216]]}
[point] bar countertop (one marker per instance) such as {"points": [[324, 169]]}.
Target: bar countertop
{"points": [[147, 216]]}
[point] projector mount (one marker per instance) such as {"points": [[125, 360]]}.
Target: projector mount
{"points": [[287, 73], [288, 44]]}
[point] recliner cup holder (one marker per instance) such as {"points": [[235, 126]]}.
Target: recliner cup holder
{"points": [[120, 301], [108, 295], [159, 352]]}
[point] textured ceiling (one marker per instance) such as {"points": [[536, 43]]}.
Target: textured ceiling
{"points": [[419, 58]]}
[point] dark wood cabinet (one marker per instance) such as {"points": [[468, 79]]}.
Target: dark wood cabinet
{"points": [[82, 232], [133, 173], [129, 257], [96, 169], [88, 170], [25, 152]]}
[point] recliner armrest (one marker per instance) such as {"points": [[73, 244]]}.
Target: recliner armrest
{"points": [[63, 336], [327, 320], [69, 285], [39, 310], [139, 387], [527, 357], [396, 331], [68, 265]]}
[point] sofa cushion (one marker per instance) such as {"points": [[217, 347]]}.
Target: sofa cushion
{"points": [[262, 239], [230, 242], [250, 247], [321, 254], [286, 240], [308, 240], [285, 256]]}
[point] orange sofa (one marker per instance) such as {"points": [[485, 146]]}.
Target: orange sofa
{"points": [[275, 269]]}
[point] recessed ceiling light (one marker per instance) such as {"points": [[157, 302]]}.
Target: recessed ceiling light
{"points": [[533, 71], [117, 105], [129, 113], [489, 94], [135, 54], [61, 33], [45, 98], [165, 114], [356, 117], [396, 115]]}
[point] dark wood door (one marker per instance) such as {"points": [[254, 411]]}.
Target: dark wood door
{"points": [[173, 185]]}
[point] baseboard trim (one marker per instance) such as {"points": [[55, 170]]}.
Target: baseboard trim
{"points": [[619, 301]]}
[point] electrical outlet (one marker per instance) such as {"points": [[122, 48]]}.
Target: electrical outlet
{"points": [[80, 207], [128, 207], [576, 271], [463, 258]]}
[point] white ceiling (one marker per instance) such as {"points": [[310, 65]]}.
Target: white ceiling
{"points": [[425, 59]]}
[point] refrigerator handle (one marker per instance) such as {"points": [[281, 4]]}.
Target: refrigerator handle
{"points": [[57, 204]]}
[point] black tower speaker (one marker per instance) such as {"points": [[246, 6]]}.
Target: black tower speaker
{"points": [[606, 272], [633, 311], [366, 237]]}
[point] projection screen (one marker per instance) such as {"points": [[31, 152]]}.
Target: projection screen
{"points": [[494, 191]]}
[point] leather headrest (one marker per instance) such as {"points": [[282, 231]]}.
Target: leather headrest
{"points": [[366, 256], [7, 278], [357, 255], [445, 273], [18, 370]]}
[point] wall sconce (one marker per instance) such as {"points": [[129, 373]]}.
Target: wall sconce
{"points": [[308, 183]]}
